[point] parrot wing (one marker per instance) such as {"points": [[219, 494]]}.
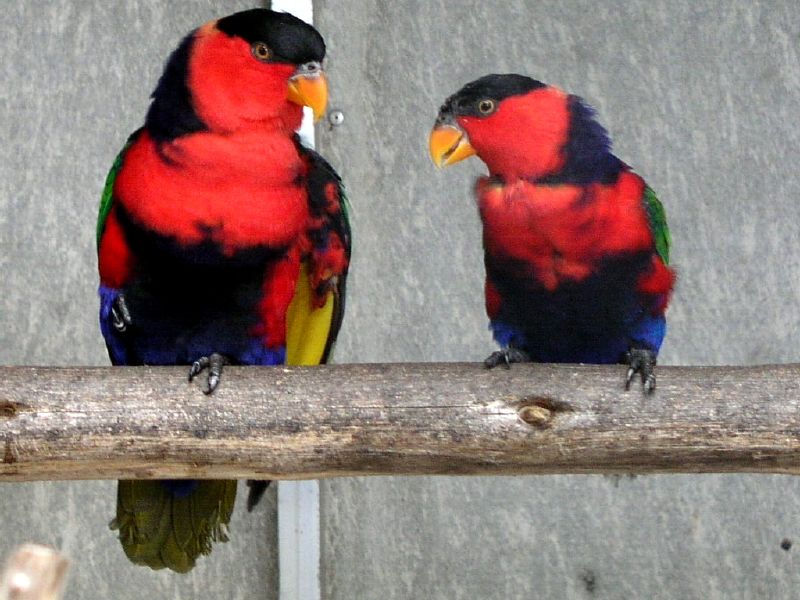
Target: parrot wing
{"points": [[107, 198], [658, 223], [315, 314]]}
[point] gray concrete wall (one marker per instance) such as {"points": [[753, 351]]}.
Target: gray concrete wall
{"points": [[76, 77], [703, 99]]}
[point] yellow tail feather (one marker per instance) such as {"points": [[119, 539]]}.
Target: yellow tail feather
{"points": [[307, 328]]}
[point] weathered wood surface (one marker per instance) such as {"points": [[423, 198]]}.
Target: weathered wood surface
{"points": [[33, 572], [295, 423]]}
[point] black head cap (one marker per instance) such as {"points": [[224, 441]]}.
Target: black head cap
{"points": [[290, 39], [489, 87]]}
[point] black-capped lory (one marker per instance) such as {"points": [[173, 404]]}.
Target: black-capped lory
{"points": [[221, 240], [576, 244]]}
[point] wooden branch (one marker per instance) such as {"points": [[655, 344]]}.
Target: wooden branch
{"points": [[296, 423], [34, 573]]}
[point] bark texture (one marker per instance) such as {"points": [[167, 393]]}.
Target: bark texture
{"points": [[399, 419]]}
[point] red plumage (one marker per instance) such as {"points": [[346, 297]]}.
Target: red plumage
{"points": [[564, 232], [231, 91], [258, 167], [114, 258], [657, 281], [537, 150], [280, 281]]}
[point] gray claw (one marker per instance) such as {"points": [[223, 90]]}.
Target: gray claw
{"points": [[214, 364], [198, 366], [629, 377], [120, 314], [505, 357], [642, 361]]}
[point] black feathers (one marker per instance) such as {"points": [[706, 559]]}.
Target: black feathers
{"points": [[290, 39], [579, 321], [171, 114], [495, 87]]}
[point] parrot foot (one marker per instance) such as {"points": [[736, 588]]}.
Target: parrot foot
{"points": [[214, 364], [505, 357], [120, 314], [642, 361]]}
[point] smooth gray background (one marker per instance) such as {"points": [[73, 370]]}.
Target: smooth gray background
{"points": [[702, 98]]}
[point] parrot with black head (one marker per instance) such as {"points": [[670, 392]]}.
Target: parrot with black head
{"points": [[221, 240], [576, 244]]}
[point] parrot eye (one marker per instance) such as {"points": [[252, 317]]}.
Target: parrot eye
{"points": [[261, 51], [486, 107]]}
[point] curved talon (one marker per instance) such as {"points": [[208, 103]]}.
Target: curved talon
{"points": [[214, 364], [642, 361], [505, 357], [198, 366], [120, 314], [629, 377]]}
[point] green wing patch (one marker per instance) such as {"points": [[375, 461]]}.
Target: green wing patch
{"points": [[107, 199], [658, 223]]}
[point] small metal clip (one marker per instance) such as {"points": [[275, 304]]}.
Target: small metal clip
{"points": [[335, 118]]}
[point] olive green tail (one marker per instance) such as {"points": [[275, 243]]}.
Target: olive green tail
{"points": [[160, 529]]}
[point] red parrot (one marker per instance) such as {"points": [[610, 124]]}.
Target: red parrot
{"points": [[576, 244], [221, 240]]}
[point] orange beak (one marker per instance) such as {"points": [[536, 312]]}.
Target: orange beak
{"points": [[310, 90], [448, 145]]}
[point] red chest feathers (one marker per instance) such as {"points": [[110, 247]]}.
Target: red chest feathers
{"points": [[237, 191], [562, 232]]}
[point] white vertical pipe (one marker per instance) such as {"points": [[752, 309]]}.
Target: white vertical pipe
{"points": [[302, 9], [298, 540], [298, 501]]}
